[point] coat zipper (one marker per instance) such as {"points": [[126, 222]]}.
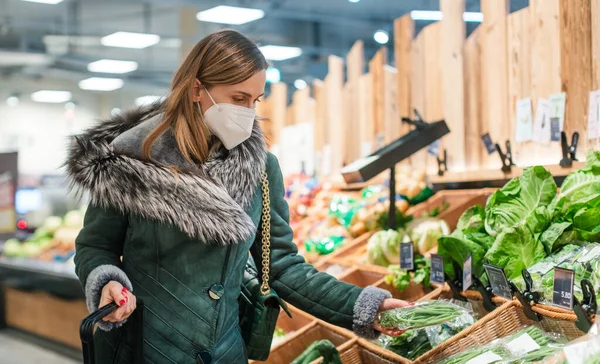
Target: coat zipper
{"points": [[223, 272]]}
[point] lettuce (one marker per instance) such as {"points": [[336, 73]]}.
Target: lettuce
{"points": [[456, 249], [522, 201]]}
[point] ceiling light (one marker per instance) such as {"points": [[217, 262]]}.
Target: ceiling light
{"points": [[473, 17], [100, 84], [70, 106], [51, 2], [51, 96], [115, 111], [230, 15], [381, 37], [112, 66], [280, 53], [426, 15], [147, 100], [353, 1], [300, 84], [12, 101], [273, 75], [130, 40]]}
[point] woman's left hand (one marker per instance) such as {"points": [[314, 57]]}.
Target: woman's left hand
{"points": [[388, 304]]}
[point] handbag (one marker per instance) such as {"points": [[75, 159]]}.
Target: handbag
{"points": [[259, 304]]}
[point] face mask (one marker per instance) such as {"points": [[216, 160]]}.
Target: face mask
{"points": [[232, 124]]}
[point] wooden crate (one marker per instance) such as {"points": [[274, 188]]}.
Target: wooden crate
{"points": [[455, 200], [333, 267], [363, 352], [412, 293], [359, 276], [349, 249], [295, 323], [44, 315]]}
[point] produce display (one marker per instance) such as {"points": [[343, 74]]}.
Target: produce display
{"points": [[488, 354], [400, 278], [410, 345], [318, 349], [423, 314]]}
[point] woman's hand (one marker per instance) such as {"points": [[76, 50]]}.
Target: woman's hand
{"points": [[388, 304], [114, 291]]}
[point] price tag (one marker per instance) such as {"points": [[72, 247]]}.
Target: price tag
{"points": [[524, 129], [485, 358], [407, 260], [434, 148], [541, 125], [489, 144], [467, 278], [498, 281], [522, 345], [558, 102], [438, 275], [555, 129], [562, 295], [594, 115]]}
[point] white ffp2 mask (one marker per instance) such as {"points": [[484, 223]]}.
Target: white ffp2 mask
{"points": [[232, 124]]}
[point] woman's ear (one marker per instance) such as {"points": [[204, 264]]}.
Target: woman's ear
{"points": [[197, 91]]}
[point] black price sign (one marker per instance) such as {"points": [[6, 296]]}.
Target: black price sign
{"points": [[407, 259], [498, 281], [555, 129], [489, 144], [467, 278], [562, 294], [437, 269]]}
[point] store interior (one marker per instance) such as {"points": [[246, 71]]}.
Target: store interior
{"points": [[447, 151]]}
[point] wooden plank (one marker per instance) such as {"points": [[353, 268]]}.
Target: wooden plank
{"points": [[336, 138], [417, 92], [494, 71], [263, 112], [596, 44], [434, 104], [355, 66], [301, 99], [519, 73], [576, 66], [320, 114], [472, 72], [376, 68], [453, 32], [278, 103], [366, 125], [404, 32], [391, 117]]}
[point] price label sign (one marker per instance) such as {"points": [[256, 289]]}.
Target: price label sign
{"points": [[489, 144], [555, 129], [437, 269], [467, 278], [498, 281], [407, 259], [434, 148], [562, 295]]}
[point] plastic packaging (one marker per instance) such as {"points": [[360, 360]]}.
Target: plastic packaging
{"points": [[494, 352], [532, 344], [410, 345], [437, 334], [422, 314]]}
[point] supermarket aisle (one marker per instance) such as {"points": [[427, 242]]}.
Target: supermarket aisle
{"points": [[16, 351]]}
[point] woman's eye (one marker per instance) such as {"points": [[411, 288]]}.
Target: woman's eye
{"points": [[236, 99]]}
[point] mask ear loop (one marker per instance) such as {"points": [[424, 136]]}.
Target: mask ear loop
{"points": [[211, 99]]}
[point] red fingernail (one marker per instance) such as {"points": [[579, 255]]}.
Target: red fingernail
{"points": [[411, 304], [121, 302], [124, 289]]}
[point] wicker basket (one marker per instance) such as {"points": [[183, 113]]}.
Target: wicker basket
{"points": [[503, 321], [358, 351], [559, 320]]}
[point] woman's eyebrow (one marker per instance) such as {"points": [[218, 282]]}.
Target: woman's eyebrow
{"points": [[247, 94]]}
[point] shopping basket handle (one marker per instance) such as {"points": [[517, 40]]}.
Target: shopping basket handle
{"points": [[86, 331]]}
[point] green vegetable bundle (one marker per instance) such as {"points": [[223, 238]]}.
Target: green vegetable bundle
{"points": [[321, 348], [422, 314], [497, 351], [410, 345], [401, 279], [548, 345]]}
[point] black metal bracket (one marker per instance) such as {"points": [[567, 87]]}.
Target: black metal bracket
{"points": [[417, 122], [486, 293], [530, 295], [392, 210], [442, 163], [586, 308], [569, 152], [529, 313], [456, 283], [507, 158]]}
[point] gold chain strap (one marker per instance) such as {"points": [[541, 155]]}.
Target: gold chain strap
{"points": [[266, 236]]}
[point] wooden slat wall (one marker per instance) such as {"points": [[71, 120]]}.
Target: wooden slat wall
{"points": [[301, 100], [519, 76], [595, 44], [376, 69], [494, 74], [576, 66], [418, 93], [404, 32], [391, 117], [472, 71], [278, 103], [434, 104], [334, 84], [355, 68], [263, 110], [365, 114], [453, 33], [320, 125]]}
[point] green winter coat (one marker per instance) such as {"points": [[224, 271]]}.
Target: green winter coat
{"points": [[175, 239]]}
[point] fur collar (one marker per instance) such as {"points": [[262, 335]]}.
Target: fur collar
{"points": [[206, 201]]}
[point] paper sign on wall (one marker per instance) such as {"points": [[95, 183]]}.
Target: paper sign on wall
{"points": [[296, 148], [541, 125], [524, 129], [557, 110], [594, 115]]}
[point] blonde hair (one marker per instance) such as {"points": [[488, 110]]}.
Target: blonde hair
{"points": [[222, 58]]}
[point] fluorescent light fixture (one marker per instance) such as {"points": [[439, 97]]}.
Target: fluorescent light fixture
{"points": [[353, 1], [112, 66], [473, 17], [50, 2], [273, 75], [280, 53], [51, 96], [300, 84], [147, 100], [426, 15], [100, 84], [12, 101], [130, 40], [381, 37], [224, 14]]}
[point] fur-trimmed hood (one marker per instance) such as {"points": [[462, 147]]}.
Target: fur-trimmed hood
{"points": [[206, 201]]}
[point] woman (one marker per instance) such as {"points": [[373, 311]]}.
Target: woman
{"points": [[176, 192]]}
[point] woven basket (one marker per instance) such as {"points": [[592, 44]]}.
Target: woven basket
{"points": [[503, 321], [358, 351], [559, 320]]}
